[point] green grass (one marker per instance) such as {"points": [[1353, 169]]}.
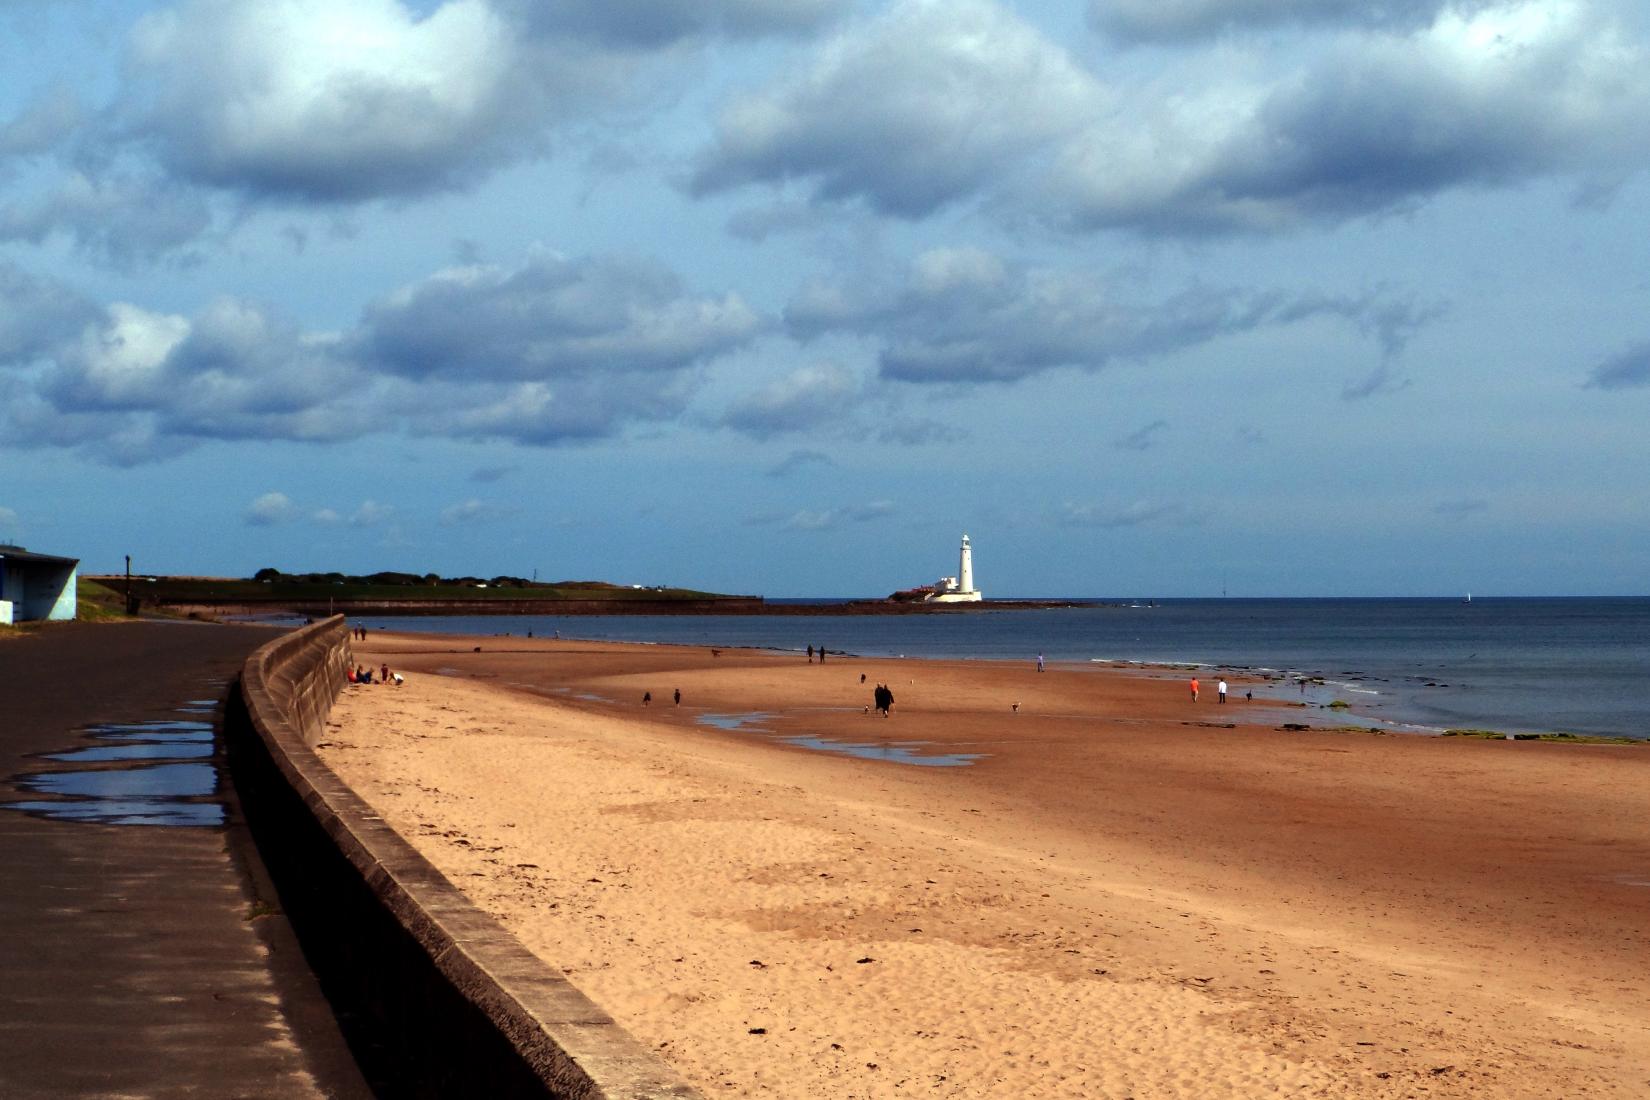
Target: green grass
{"points": [[97, 603], [175, 590]]}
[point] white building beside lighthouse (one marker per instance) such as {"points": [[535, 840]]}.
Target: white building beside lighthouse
{"points": [[958, 589]]}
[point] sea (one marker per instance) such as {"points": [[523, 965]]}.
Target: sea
{"points": [[1576, 665]]}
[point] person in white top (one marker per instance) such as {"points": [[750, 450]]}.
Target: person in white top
{"points": [[1221, 688]]}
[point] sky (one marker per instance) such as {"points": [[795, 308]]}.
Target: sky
{"points": [[1148, 297]]}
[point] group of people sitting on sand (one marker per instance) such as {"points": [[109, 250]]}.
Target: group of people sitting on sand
{"points": [[362, 674]]}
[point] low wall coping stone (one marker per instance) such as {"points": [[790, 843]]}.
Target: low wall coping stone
{"points": [[572, 1045]]}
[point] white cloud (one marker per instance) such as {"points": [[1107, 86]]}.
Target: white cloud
{"points": [[125, 218], [799, 460], [550, 351], [656, 23], [1478, 98], [809, 397], [370, 514], [924, 105], [347, 100], [824, 519], [271, 510], [964, 315], [42, 124], [36, 315], [1137, 514], [473, 511], [334, 99], [932, 104], [1168, 20], [120, 363], [552, 317]]}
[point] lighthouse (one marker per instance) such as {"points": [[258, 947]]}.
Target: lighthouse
{"points": [[958, 589]]}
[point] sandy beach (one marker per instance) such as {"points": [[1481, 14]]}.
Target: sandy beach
{"points": [[1111, 891]]}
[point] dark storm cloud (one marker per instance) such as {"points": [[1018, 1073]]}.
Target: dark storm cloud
{"points": [[1629, 369], [964, 315]]}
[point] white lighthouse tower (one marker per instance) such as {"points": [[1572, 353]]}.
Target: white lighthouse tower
{"points": [[958, 589]]}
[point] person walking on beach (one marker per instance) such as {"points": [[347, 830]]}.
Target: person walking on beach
{"points": [[821, 654], [678, 696], [810, 655], [1194, 689], [1220, 688], [884, 699], [647, 697], [1039, 662]]}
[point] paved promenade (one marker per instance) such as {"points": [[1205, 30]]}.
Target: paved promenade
{"points": [[141, 960]]}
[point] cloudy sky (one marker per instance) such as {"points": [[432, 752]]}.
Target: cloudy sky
{"points": [[1150, 297]]}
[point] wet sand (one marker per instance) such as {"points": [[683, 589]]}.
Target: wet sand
{"points": [[1124, 894]]}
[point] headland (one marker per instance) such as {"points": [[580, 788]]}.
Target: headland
{"points": [[318, 594]]}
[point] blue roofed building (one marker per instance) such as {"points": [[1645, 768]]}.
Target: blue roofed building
{"points": [[35, 586]]}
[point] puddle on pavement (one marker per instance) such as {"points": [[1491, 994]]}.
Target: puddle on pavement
{"points": [[133, 811], [148, 781], [160, 788], [138, 750], [153, 731]]}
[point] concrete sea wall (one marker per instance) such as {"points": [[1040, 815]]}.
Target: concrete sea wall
{"points": [[434, 996]]}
